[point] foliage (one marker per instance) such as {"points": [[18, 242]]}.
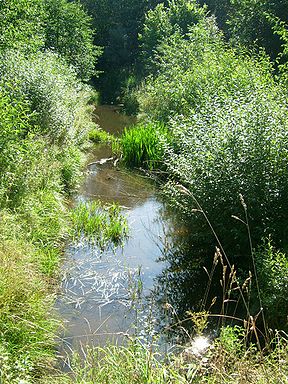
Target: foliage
{"points": [[226, 361], [61, 26], [68, 32], [129, 95], [117, 24], [44, 117], [272, 268], [251, 22], [58, 100], [222, 108], [97, 135], [221, 9], [141, 146], [102, 225], [164, 21], [21, 25], [248, 23], [27, 334]]}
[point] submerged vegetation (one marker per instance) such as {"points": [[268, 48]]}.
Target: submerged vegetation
{"points": [[213, 124]]}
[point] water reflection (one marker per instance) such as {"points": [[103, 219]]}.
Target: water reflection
{"points": [[144, 287], [101, 290], [111, 120]]}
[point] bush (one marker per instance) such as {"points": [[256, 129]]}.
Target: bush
{"points": [[58, 100], [21, 25], [272, 269], [164, 21], [61, 26], [68, 31], [222, 110]]}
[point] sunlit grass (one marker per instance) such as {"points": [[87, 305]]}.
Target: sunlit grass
{"points": [[227, 360], [101, 224], [141, 146], [27, 329], [97, 135]]}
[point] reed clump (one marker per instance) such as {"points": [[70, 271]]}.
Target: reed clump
{"points": [[141, 146], [97, 135]]}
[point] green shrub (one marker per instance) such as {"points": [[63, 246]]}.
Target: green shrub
{"points": [[21, 25], [197, 70], [129, 96], [165, 20], [52, 91], [272, 270], [97, 135], [227, 119], [68, 31], [62, 26]]}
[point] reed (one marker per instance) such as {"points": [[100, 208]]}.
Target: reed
{"points": [[141, 146]]}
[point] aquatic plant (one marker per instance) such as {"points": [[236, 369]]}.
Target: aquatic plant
{"points": [[101, 224], [97, 135], [141, 146]]}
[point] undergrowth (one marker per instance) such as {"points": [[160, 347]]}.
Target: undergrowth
{"points": [[43, 125], [97, 135], [226, 360]]}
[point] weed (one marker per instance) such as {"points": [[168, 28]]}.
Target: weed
{"points": [[141, 146], [100, 136], [100, 224]]}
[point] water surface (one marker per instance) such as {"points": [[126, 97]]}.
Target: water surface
{"points": [[104, 293]]}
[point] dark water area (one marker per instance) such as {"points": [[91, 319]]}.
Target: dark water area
{"points": [[111, 120]]}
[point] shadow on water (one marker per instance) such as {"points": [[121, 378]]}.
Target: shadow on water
{"points": [[111, 120]]}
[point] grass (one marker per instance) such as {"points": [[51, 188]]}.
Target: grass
{"points": [[27, 328], [101, 224], [37, 175], [227, 360], [141, 146], [97, 135]]}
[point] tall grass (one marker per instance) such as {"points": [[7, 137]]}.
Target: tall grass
{"points": [[27, 327], [141, 146], [44, 120], [227, 361]]}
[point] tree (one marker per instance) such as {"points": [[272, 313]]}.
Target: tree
{"points": [[68, 31], [163, 21], [117, 24], [21, 24]]}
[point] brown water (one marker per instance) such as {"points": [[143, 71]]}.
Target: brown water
{"points": [[111, 120], [104, 293]]}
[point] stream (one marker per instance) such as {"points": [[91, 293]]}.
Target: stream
{"points": [[106, 295]]}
